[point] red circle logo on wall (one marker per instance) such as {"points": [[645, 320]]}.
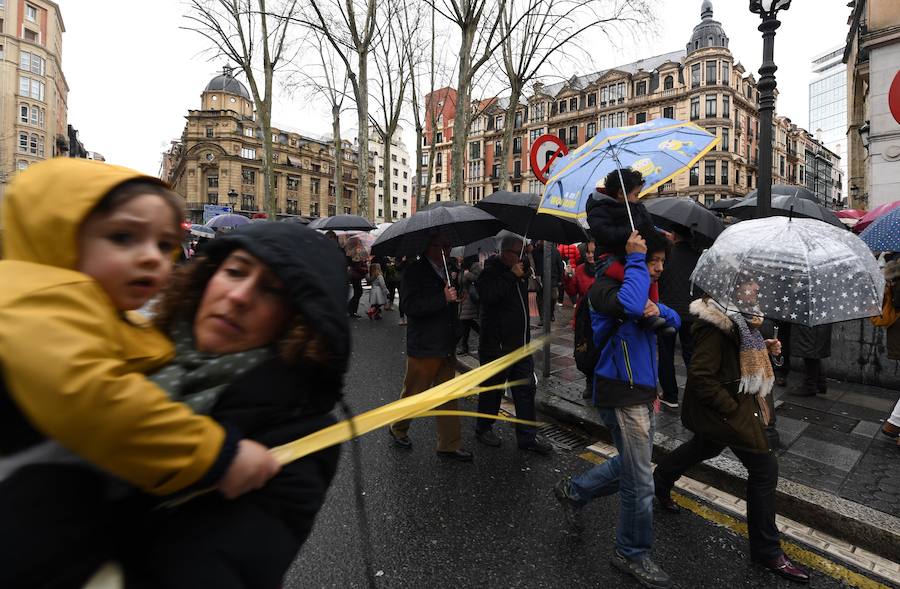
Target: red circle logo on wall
{"points": [[894, 97]]}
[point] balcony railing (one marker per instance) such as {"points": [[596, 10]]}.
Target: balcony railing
{"points": [[194, 205]]}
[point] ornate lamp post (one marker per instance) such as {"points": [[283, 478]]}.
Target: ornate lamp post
{"points": [[232, 199], [768, 12]]}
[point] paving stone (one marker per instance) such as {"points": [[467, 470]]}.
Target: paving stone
{"points": [[815, 416], [815, 474], [817, 402], [839, 457], [866, 429], [835, 436], [873, 481], [884, 405], [864, 413]]}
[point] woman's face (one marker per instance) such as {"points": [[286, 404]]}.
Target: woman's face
{"points": [[244, 306], [589, 252]]}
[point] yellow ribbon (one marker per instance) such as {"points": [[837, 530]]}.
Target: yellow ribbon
{"points": [[442, 412]]}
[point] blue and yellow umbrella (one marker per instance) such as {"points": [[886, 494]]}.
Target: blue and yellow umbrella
{"points": [[658, 149]]}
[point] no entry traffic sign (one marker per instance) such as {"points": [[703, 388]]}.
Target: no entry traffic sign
{"points": [[544, 151]]}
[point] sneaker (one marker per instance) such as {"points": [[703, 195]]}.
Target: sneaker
{"points": [[538, 445], [643, 569], [488, 438], [456, 455], [571, 508], [401, 442], [668, 403]]}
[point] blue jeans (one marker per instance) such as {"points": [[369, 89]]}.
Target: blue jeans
{"points": [[629, 473]]}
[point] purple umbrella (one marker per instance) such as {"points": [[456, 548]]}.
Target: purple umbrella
{"points": [[227, 220]]}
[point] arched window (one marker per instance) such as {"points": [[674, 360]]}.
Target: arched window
{"points": [[668, 83]]}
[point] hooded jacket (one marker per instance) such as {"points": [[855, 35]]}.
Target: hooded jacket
{"points": [[626, 371], [433, 322], [608, 221], [72, 364], [713, 408]]}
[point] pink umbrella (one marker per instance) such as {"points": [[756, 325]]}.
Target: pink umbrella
{"points": [[850, 214], [874, 214]]}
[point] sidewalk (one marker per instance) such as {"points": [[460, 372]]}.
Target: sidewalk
{"points": [[838, 473]]}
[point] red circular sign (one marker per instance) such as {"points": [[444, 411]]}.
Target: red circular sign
{"points": [[552, 147], [894, 97]]}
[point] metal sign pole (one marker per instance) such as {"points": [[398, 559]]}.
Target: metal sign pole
{"points": [[547, 303]]}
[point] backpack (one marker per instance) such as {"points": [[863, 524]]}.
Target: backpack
{"points": [[586, 353]]}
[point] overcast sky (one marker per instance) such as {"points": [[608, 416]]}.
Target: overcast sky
{"points": [[133, 73]]}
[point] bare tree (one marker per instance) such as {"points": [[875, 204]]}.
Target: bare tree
{"points": [[390, 57], [326, 78], [339, 22], [535, 31], [239, 30]]}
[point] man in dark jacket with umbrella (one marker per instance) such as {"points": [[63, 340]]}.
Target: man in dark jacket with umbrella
{"points": [[556, 270], [432, 306], [505, 327], [675, 292]]}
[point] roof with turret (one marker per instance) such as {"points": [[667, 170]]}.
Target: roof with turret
{"points": [[709, 33], [226, 82]]}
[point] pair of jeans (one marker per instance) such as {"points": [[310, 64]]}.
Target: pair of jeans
{"points": [[629, 473], [523, 397], [761, 482], [667, 359]]}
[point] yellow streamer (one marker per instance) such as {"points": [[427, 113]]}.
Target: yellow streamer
{"points": [[442, 412]]}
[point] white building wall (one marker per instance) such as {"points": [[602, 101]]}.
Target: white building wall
{"points": [[404, 178], [884, 133]]}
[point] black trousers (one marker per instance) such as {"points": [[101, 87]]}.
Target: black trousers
{"points": [[353, 305], [813, 376], [666, 346], [761, 482], [523, 397], [468, 326]]}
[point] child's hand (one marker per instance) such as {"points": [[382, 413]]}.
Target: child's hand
{"points": [[251, 469], [636, 244]]}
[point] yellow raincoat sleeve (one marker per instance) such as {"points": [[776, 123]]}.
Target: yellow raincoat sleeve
{"points": [[65, 363]]}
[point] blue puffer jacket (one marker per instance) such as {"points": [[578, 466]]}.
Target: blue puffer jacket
{"points": [[626, 371]]}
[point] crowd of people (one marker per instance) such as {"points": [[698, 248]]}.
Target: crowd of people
{"points": [[247, 347]]}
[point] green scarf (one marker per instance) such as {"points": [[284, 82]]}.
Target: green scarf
{"points": [[199, 379]]}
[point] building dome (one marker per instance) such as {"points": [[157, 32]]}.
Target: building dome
{"points": [[226, 82], [709, 33]]}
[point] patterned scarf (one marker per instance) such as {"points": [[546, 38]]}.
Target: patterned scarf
{"points": [[757, 376], [199, 379]]}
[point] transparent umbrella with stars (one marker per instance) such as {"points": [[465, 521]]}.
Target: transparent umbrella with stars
{"points": [[808, 272]]}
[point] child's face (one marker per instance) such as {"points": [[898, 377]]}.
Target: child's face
{"points": [[129, 249]]}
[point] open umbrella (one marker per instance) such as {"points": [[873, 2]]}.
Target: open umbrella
{"points": [[878, 211], [658, 149], [202, 231], [883, 235], [788, 190], [519, 212], [487, 246], [684, 211], [227, 221], [443, 203], [808, 272], [787, 206], [722, 205], [342, 223], [458, 225], [300, 220]]}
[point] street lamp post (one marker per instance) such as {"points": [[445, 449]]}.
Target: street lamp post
{"points": [[232, 199], [768, 12]]}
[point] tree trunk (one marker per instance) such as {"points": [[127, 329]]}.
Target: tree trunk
{"points": [[270, 199], [387, 179], [420, 195], [508, 123], [461, 122], [338, 158], [362, 111]]}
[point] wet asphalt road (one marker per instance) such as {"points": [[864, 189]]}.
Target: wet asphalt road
{"points": [[492, 523]]}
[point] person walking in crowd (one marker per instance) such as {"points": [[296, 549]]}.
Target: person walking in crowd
{"points": [[890, 321], [432, 306], [727, 403], [378, 292], [579, 280], [357, 268], [813, 344], [675, 293], [625, 391], [402, 264], [391, 281], [578, 284], [505, 327], [468, 312], [556, 272]]}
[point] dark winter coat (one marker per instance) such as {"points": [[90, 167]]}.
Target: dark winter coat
{"points": [[433, 326], [675, 282], [503, 298], [556, 264], [467, 308], [713, 408], [608, 222], [811, 342]]}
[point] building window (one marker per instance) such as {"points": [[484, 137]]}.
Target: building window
{"points": [[724, 174], [669, 112], [592, 99], [695, 108], [31, 63], [394, 214], [641, 88], [620, 119], [23, 113], [517, 168], [31, 13], [726, 106], [440, 138], [562, 133], [314, 186], [562, 106], [495, 172], [293, 182], [573, 104], [31, 36], [405, 175], [31, 88], [248, 153], [640, 117], [534, 134], [573, 135], [212, 198], [726, 73], [711, 67], [668, 83], [604, 95], [695, 75], [602, 121], [620, 90], [248, 176], [709, 175], [380, 183], [712, 131], [517, 145], [394, 187], [695, 175], [591, 130], [248, 202], [393, 157], [209, 132], [726, 138], [248, 132], [781, 165], [396, 172], [709, 199], [23, 142], [212, 181], [710, 105], [21, 165], [475, 150]]}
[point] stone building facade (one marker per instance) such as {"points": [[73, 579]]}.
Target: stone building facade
{"points": [[218, 161]]}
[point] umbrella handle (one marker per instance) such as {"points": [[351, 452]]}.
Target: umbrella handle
{"points": [[622, 186], [446, 269]]}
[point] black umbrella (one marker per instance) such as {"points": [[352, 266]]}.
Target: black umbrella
{"points": [[789, 190], [443, 203], [300, 220], [458, 225], [518, 211], [342, 223], [723, 204], [787, 206], [686, 212]]}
